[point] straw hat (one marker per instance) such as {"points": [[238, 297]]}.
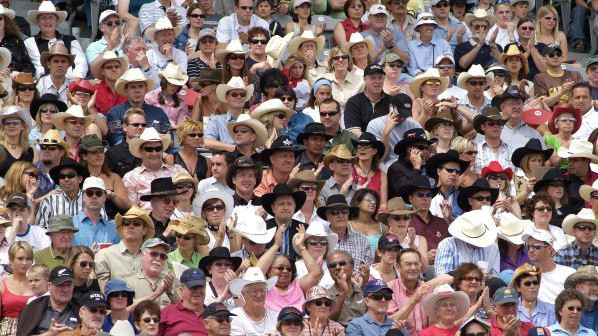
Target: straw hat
{"points": [[174, 75], [190, 224], [235, 83], [475, 227], [132, 213], [182, 176], [512, 50], [578, 149], [395, 206], [163, 23], [524, 270], [261, 134], [52, 137], [75, 111], [585, 191], [23, 78], [107, 56], [276, 48], [585, 215], [252, 275], [340, 151], [6, 58], [431, 73], [441, 116], [317, 229], [56, 49], [480, 14], [583, 274], [7, 12], [475, 71], [511, 228], [307, 35], [131, 76], [441, 292], [46, 7], [357, 38], [12, 111], [149, 135], [271, 106], [306, 176], [233, 47]]}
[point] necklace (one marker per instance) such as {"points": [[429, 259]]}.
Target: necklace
{"points": [[363, 170], [383, 271]]}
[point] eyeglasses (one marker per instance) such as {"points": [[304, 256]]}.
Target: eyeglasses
{"points": [[280, 116], [151, 319], [380, 296], [136, 125], [83, 93], [471, 152], [154, 254], [432, 82], [184, 237], [400, 217], [135, 224], [528, 28], [549, 18], [594, 196], [543, 209], [282, 268], [395, 65], [340, 57], [195, 135], [452, 170], [214, 208], [26, 88], [589, 228], [494, 123], [80, 122], [445, 66], [556, 184], [96, 193], [85, 264], [321, 242], [574, 308], [339, 263], [319, 303], [238, 94], [497, 177], [328, 113], [286, 98], [499, 73], [338, 160], [234, 57], [247, 7], [421, 147], [555, 54], [111, 23], [424, 195], [472, 279], [11, 122], [336, 212], [198, 16], [535, 247], [529, 283], [479, 27], [241, 130], [259, 41], [156, 149], [296, 323], [119, 295], [168, 200], [69, 176], [570, 119], [184, 186], [95, 310], [482, 198], [221, 320], [476, 83], [356, 6], [308, 188], [442, 4]]}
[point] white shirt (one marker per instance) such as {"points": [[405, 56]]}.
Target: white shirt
{"points": [[243, 325], [81, 66], [35, 236], [502, 38], [155, 57], [589, 122], [326, 281], [225, 242], [553, 283], [45, 85], [314, 218], [212, 183], [229, 28], [453, 91]]}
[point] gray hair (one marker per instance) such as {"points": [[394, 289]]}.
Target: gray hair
{"points": [[129, 40]]}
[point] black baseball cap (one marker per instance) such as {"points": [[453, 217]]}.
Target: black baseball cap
{"points": [[403, 103], [550, 48], [290, 314], [373, 69], [216, 308], [93, 300], [60, 274]]}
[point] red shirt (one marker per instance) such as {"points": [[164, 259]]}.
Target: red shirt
{"points": [[176, 319], [434, 231], [106, 98], [350, 28], [496, 330], [435, 331]]}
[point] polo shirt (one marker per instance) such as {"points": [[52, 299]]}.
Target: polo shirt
{"points": [[144, 287], [117, 262], [95, 49], [176, 256], [106, 98], [175, 320], [557, 330], [49, 258], [517, 137], [69, 316], [360, 110], [417, 320], [365, 325], [353, 306], [496, 330], [542, 315], [104, 231], [435, 230]]}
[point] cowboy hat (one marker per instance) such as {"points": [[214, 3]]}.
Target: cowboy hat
{"points": [[475, 71], [486, 114], [130, 76], [317, 229], [410, 138], [511, 92], [395, 206], [578, 149], [46, 7], [213, 193], [477, 186], [271, 106], [357, 38], [524, 270], [282, 143], [7, 12], [583, 274], [308, 35], [252, 275], [162, 186], [218, 253], [174, 75], [190, 224], [476, 227], [480, 14], [305, 176], [46, 98], [235, 83], [443, 115], [436, 161], [52, 137], [68, 163], [513, 50], [163, 23], [419, 182], [252, 226], [133, 213], [241, 163], [536, 117], [335, 202], [585, 191], [431, 73], [553, 174], [533, 146], [368, 139], [56, 49], [233, 47], [23, 78], [282, 189], [585, 215], [441, 292], [512, 228], [75, 111], [12, 111], [530, 4], [276, 48], [107, 56], [149, 135], [495, 168], [6, 57], [556, 113], [340, 151], [183, 176], [313, 128]]}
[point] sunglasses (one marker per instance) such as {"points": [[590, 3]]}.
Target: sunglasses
{"points": [[432, 82], [184, 186], [214, 208], [234, 57], [424, 195], [571, 119], [528, 28], [120, 295], [136, 125], [282, 268], [258, 41], [328, 113], [476, 83], [242, 130], [336, 212], [114, 23], [286, 98], [339, 263], [11, 122], [471, 152], [30, 173], [221, 263], [221, 320], [156, 149], [247, 7], [379, 297], [319, 303], [154, 254], [195, 135], [529, 283], [96, 193], [535, 247], [151, 319], [494, 123], [472, 278], [95, 310], [69, 176], [497, 177], [555, 54], [76, 122], [238, 94], [308, 188], [135, 224], [48, 110], [400, 217], [340, 57], [543, 208], [342, 160], [198, 16], [442, 4], [589, 228], [84, 264], [296, 323], [452, 170], [574, 308], [321, 242], [184, 237], [483, 198], [26, 88], [481, 333], [280, 116]]}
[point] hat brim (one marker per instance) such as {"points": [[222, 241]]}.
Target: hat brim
{"points": [[21, 114], [222, 195], [429, 304], [331, 238], [368, 41], [136, 143], [222, 89], [205, 262], [480, 119], [406, 190], [118, 220], [59, 118], [416, 83], [257, 168], [268, 199], [401, 146], [303, 136], [46, 55], [486, 239], [150, 32], [585, 191], [321, 211], [566, 154], [236, 285], [572, 219], [469, 17], [121, 83], [296, 42], [98, 63], [465, 76], [148, 197], [81, 171], [436, 161], [379, 145], [383, 216], [520, 152], [37, 103], [294, 182], [33, 14], [258, 238], [514, 239], [466, 193]]}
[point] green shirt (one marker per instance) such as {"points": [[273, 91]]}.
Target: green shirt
{"points": [[552, 142], [49, 258], [178, 257], [342, 137]]}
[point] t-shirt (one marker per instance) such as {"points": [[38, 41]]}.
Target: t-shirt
{"points": [[326, 280], [546, 85], [293, 297], [243, 325], [435, 331], [553, 283], [35, 236]]}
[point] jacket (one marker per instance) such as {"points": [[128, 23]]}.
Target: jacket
{"points": [[32, 313]]}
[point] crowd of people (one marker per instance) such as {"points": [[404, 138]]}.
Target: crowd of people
{"points": [[240, 167]]}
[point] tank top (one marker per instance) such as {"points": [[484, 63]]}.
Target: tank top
{"points": [[201, 167], [12, 303], [375, 181], [373, 239]]}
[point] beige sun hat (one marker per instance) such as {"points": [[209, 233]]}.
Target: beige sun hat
{"points": [[585, 191], [56, 49], [512, 228], [480, 14], [190, 224], [233, 47], [475, 71], [174, 74], [46, 7], [75, 111], [271, 106], [395, 206], [183, 176], [149, 135], [307, 35], [133, 213], [235, 83], [131, 76], [578, 149], [431, 73], [441, 292], [357, 38], [585, 215], [261, 134], [5, 57], [163, 23], [276, 48], [53, 137], [12, 111], [252, 275], [107, 56]]}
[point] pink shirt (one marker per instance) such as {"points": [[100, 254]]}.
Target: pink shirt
{"points": [[417, 320], [176, 115], [435, 331], [294, 297], [138, 182]]}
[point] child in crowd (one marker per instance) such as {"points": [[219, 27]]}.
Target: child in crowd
{"points": [[38, 276]]}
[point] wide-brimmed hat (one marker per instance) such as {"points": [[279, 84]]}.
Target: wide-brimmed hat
{"points": [[174, 74], [441, 292], [357, 38], [477, 186], [494, 167], [235, 83], [82, 85], [47, 98], [119, 286], [91, 143], [23, 78], [6, 58], [272, 106], [75, 111], [210, 75], [183, 176], [442, 116], [132, 75], [511, 228], [209, 194], [252, 226], [282, 143], [241, 163], [480, 14], [533, 146], [190, 224], [513, 50], [317, 229], [282, 189], [61, 222], [307, 35], [46, 7], [511, 92], [425, 18], [162, 186], [233, 47], [251, 276], [556, 113], [68, 163], [149, 135], [487, 113], [52, 137], [583, 274], [334, 202], [313, 128], [133, 213], [410, 138], [56, 49], [553, 174], [276, 47], [535, 117], [431, 73], [261, 133], [367, 138], [419, 182], [218, 253], [163, 23], [475, 227], [585, 215], [13, 111], [8, 12], [107, 56], [585, 191], [395, 206], [578, 148], [475, 71], [305, 176], [315, 293], [524, 270], [340, 151], [530, 4], [436, 161]]}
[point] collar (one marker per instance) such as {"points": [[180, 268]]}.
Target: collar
{"points": [[144, 168], [367, 318], [419, 42], [520, 126], [54, 255], [38, 36]]}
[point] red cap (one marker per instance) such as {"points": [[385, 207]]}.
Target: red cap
{"points": [[495, 168], [188, 95], [557, 111], [536, 117], [82, 85]]}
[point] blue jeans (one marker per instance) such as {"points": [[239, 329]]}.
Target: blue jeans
{"points": [[579, 21]]}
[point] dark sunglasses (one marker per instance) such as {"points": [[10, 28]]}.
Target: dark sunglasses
{"points": [[421, 147], [328, 113], [151, 319], [555, 53], [589, 228], [85, 263], [221, 320], [195, 135], [336, 212], [238, 94], [280, 116], [138, 125], [339, 263], [114, 23], [286, 98], [527, 28], [69, 176], [258, 41], [380, 296], [184, 186], [529, 283], [247, 7], [11, 122], [574, 308], [282, 268], [198, 16], [96, 193], [535, 247], [241, 130], [214, 208], [120, 295], [135, 224], [476, 83], [395, 65], [154, 254], [308, 188], [296, 323], [424, 195], [340, 57], [156, 149], [472, 278], [497, 177], [400, 217], [494, 123], [26, 88], [482, 198], [48, 110], [478, 27], [543, 208], [321, 242], [95, 310], [234, 57], [452, 170], [80, 122], [343, 160], [221, 263], [184, 237], [442, 4], [319, 303], [30, 173]]}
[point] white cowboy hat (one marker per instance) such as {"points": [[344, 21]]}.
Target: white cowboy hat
{"points": [[318, 229], [8, 12], [307, 35], [131, 76], [276, 48], [270, 106], [252, 226], [233, 84], [425, 18], [475, 71], [107, 56], [261, 133], [585, 191], [578, 149], [251, 276], [75, 111], [511, 228], [222, 195], [174, 74], [480, 14], [586, 215], [233, 47], [357, 38], [441, 292], [475, 227], [46, 7], [12, 111], [149, 135], [163, 23], [431, 73]]}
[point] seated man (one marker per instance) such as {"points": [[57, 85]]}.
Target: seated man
{"points": [[73, 122], [281, 157], [151, 12], [555, 81], [61, 232], [220, 162], [374, 322], [477, 50], [348, 297], [109, 24], [58, 60], [581, 252], [506, 321], [19, 212], [236, 25], [163, 34], [423, 49], [339, 161], [330, 117], [119, 157], [585, 280], [243, 176], [313, 139], [53, 150], [247, 134], [92, 313]]}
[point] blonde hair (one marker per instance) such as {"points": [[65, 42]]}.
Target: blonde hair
{"points": [[461, 144], [268, 120], [38, 118], [39, 269], [17, 246], [13, 178], [335, 51], [24, 136], [525, 161], [185, 128], [294, 59], [542, 11]]}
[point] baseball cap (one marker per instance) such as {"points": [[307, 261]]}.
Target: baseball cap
{"points": [[538, 331], [374, 286], [206, 32], [19, 199], [537, 235], [105, 14], [550, 48], [443, 57], [94, 182], [373, 69], [591, 61], [403, 103], [153, 242], [505, 295], [300, 2], [391, 57], [93, 300], [388, 241], [60, 274], [435, 2], [193, 277], [378, 9], [216, 308], [290, 314]]}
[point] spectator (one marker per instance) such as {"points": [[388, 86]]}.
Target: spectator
{"points": [[330, 117], [236, 25], [555, 184], [281, 157], [234, 62], [342, 73], [369, 152], [512, 250], [53, 151], [322, 89], [547, 30], [399, 19], [469, 278], [24, 90], [217, 319], [248, 134], [467, 152], [253, 232], [14, 289], [555, 82], [354, 11], [506, 320], [21, 177], [313, 139], [339, 161], [474, 81], [385, 40], [568, 307], [187, 40], [257, 61], [490, 124], [135, 49], [446, 168], [265, 9], [274, 115], [163, 52], [445, 125], [118, 297], [475, 324], [443, 306], [186, 187], [423, 48], [147, 317], [92, 313], [515, 132], [244, 175], [309, 46], [359, 49], [42, 109], [208, 81], [37, 276], [477, 50], [318, 305], [162, 199], [517, 65], [191, 241], [80, 260], [592, 72], [168, 96], [377, 298], [541, 209], [218, 265], [301, 19], [80, 93], [426, 87], [580, 155], [20, 21], [19, 213], [119, 157], [584, 280], [581, 251], [11, 40], [190, 138], [109, 24], [14, 132], [581, 100], [348, 298], [61, 231], [108, 67], [216, 207], [73, 122], [205, 56], [521, 9], [526, 282], [528, 158], [395, 81], [150, 13]]}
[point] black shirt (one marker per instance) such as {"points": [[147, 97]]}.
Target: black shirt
{"points": [[359, 110], [120, 159], [306, 164], [241, 201], [160, 227], [484, 57], [288, 243]]}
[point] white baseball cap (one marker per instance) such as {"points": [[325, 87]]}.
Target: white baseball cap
{"points": [[94, 182], [443, 57], [105, 14], [378, 9], [542, 236]]}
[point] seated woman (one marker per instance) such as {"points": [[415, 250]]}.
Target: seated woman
{"points": [[547, 31], [321, 90], [366, 166], [341, 73], [191, 239], [500, 178], [216, 207], [318, 242], [186, 187], [425, 88], [467, 152], [188, 39], [21, 177], [290, 322], [354, 10], [395, 81], [190, 138], [469, 279], [301, 19], [385, 267], [541, 208], [167, 96], [554, 185], [221, 268], [11, 40], [24, 90], [526, 282], [514, 59], [318, 307], [206, 56], [83, 266], [146, 316], [368, 203], [359, 49], [563, 123], [42, 110], [296, 70], [14, 137], [528, 159], [118, 297], [275, 116], [258, 38], [207, 103]]}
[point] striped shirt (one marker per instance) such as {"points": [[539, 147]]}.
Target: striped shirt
{"points": [[59, 204], [486, 154], [572, 256], [452, 252], [542, 316]]}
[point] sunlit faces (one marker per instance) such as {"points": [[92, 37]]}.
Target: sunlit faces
{"points": [[136, 91], [92, 317], [503, 13], [245, 180], [366, 151], [162, 37], [446, 68], [282, 268], [153, 259], [538, 251], [448, 174], [479, 199], [441, 9], [565, 122], [58, 65], [244, 10], [83, 266], [255, 292], [308, 46], [329, 115], [194, 295], [359, 51], [528, 287], [374, 82], [213, 211], [151, 153], [62, 239], [581, 99], [356, 9], [492, 128], [69, 180], [47, 22], [197, 18], [571, 312], [236, 61], [526, 30], [430, 88], [118, 300], [592, 72], [393, 69], [584, 232], [282, 161], [207, 45], [149, 323], [21, 262]]}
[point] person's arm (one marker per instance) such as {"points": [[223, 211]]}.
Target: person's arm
{"points": [[383, 190], [467, 59], [339, 34], [422, 247], [344, 287], [119, 194], [265, 261], [123, 11], [564, 46], [314, 269], [81, 67], [351, 116], [407, 308], [445, 258], [400, 46], [218, 145]]}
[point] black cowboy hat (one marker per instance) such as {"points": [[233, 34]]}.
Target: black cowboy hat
{"points": [[419, 182], [533, 146], [240, 163], [410, 138], [46, 99], [313, 128], [337, 201], [436, 161], [160, 187], [367, 138], [511, 92], [218, 253], [283, 143], [68, 163], [477, 186], [487, 113], [282, 189], [551, 175]]}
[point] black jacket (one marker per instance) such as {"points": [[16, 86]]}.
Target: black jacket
{"points": [[32, 314], [20, 58], [400, 173], [293, 229]]}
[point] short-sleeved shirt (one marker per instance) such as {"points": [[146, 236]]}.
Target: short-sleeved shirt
{"points": [[557, 330], [216, 128], [49, 258], [376, 127], [117, 262], [542, 316], [546, 85], [417, 320], [366, 326], [144, 287], [175, 320], [496, 330], [452, 252], [435, 230], [229, 28], [69, 316], [103, 231], [293, 297], [353, 306], [36, 236], [245, 326], [441, 32]]}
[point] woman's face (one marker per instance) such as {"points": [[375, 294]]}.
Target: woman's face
{"points": [[83, 266], [499, 77], [365, 152], [46, 111], [258, 44], [171, 89], [535, 161], [220, 267], [21, 262], [207, 45], [340, 61], [393, 69], [389, 255], [214, 213], [95, 159], [281, 267], [556, 190], [471, 283], [279, 121], [356, 10], [359, 51], [528, 287], [291, 328], [207, 89], [526, 30], [320, 308], [368, 204], [194, 139], [303, 11], [195, 20], [288, 101], [514, 64], [148, 323], [571, 313], [476, 329], [322, 93], [185, 190], [316, 246], [185, 242], [118, 301], [469, 154], [398, 224], [431, 88], [310, 190], [28, 176], [542, 213], [445, 130], [548, 21], [12, 127], [236, 61], [26, 92], [497, 181], [82, 98], [296, 70], [565, 122]]}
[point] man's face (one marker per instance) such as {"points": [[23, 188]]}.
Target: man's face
{"points": [[62, 239], [579, 166], [69, 180], [58, 65], [235, 98], [163, 37], [589, 289], [163, 206], [94, 198], [503, 13], [62, 293], [339, 263], [378, 21], [134, 126], [283, 207], [153, 259], [282, 161], [340, 166], [133, 229], [245, 180], [426, 30], [479, 26], [506, 309], [194, 295], [338, 216], [397, 7], [553, 58], [110, 24], [15, 210], [441, 10], [538, 251], [47, 22], [314, 144], [112, 70], [138, 46], [92, 318], [520, 9], [511, 109], [244, 135], [218, 325], [475, 86], [480, 199], [421, 199], [448, 174], [219, 166], [581, 99], [458, 10], [409, 266], [245, 9], [592, 72], [74, 127], [136, 92], [51, 153], [446, 68], [374, 83], [151, 153], [329, 116], [378, 301], [584, 233], [492, 128]]}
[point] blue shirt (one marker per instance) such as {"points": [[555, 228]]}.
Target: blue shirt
{"points": [[154, 117], [589, 319], [452, 252], [216, 128], [180, 42], [422, 55], [572, 256], [399, 42], [103, 231], [366, 326], [297, 125], [542, 316], [453, 23], [557, 330], [95, 49]]}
